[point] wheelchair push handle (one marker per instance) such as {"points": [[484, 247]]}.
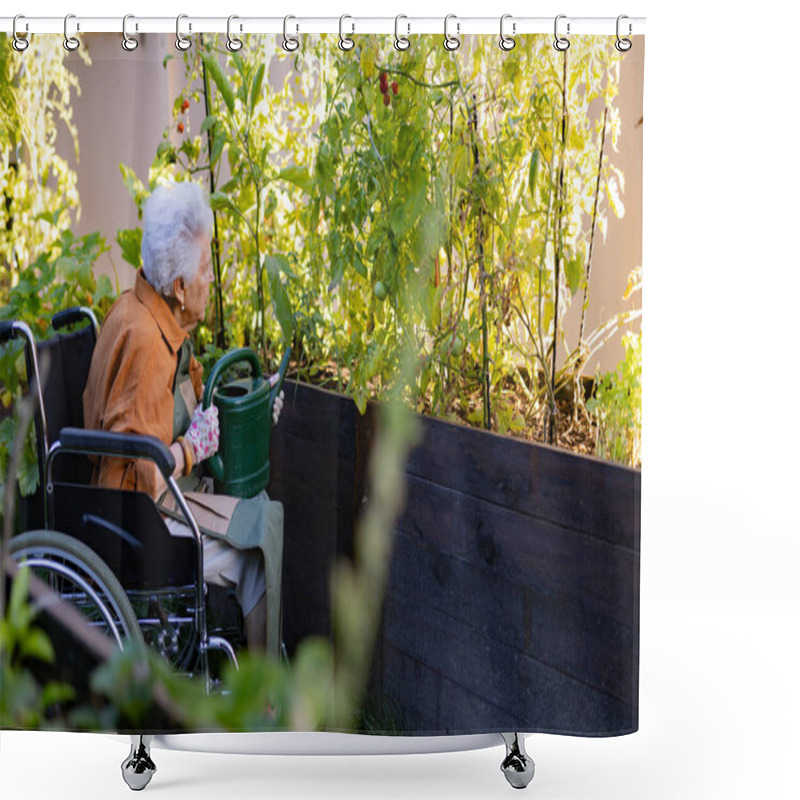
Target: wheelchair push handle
{"points": [[6, 330], [70, 316], [107, 443]]}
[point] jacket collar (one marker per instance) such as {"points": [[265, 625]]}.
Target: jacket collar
{"points": [[173, 334]]}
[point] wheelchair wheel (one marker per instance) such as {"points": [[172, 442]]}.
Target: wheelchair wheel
{"points": [[83, 579]]}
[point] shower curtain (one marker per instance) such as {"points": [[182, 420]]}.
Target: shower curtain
{"points": [[448, 239]]}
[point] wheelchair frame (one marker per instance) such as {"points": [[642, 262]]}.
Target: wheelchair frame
{"points": [[85, 442]]}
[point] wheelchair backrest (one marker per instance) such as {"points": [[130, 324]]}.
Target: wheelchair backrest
{"points": [[61, 368]]}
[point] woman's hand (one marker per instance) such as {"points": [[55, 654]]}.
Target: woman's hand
{"points": [[277, 406], [203, 432]]}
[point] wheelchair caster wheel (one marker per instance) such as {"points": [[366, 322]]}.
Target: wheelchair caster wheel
{"points": [[138, 768], [517, 766]]}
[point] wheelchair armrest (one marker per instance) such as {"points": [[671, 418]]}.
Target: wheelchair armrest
{"points": [[106, 443]]}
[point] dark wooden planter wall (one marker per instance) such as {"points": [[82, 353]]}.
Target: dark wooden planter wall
{"points": [[513, 599]]}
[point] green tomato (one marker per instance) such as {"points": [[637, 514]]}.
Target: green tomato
{"points": [[380, 290], [458, 346]]}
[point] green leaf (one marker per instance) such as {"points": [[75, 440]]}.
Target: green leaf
{"points": [[358, 266], [220, 200], [35, 644], [255, 91], [208, 122], [534, 171], [281, 305], [218, 76], [19, 612], [167, 58], [130, 242], [299, 176], [574, 272], [217, 148]]}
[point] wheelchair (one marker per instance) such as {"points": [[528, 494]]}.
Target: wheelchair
{"points": [[107, 551]]}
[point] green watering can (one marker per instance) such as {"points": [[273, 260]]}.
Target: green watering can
{"points": [[241, 466]]}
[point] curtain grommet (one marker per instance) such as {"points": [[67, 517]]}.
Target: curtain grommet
{"points": [[401, 43], [234, 44], [290, 43], [345, 42], [623, 44], [182, 43], [18, 43], [129, 43], [507, 42], [561, 43], [451, 43], [70, 42]]}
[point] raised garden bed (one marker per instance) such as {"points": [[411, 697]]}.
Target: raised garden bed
{"points": [[513, 598]]}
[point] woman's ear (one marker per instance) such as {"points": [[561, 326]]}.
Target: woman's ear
{"points": [[179, 290]]}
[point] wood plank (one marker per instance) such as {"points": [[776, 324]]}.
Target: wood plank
{"points": [[585, 494], [436, 706], [563, 631], [323, 418], [489, 671], [521, 549]]}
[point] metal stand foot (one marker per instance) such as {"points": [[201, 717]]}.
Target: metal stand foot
{"points": [[518, 766], [138, 768]]}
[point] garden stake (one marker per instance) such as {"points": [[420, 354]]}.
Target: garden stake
{"points": [[215, 250]]}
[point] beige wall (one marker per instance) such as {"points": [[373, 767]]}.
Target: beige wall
{"points": [[122, 112]]}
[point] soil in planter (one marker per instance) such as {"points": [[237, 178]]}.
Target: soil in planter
{"points": [[576, 431]]}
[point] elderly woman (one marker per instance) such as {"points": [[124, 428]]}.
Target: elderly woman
{"points": [[144, 379]]}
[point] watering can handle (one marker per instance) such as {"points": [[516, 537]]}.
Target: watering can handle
{"points": [[234, 357]]}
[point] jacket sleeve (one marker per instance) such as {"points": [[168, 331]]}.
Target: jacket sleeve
{"points": [[138, 399]]}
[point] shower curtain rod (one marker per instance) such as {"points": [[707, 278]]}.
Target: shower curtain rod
{"points": [[407, 26]]}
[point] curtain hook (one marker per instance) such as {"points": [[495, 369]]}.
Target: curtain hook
{"points": [[451, 43], [182, 42], [345, 42], [70, 42], [623, 45], [507, 42], [401, 42], [233, 44], [128, 42], [561, 43], [19, 44], [290, 43]]}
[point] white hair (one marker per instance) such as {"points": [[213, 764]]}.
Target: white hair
{"points": [[175, 217]]}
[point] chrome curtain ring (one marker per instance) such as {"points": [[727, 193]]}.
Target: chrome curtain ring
{"points": [[290, 43], [182, 42], [128, 42], [345, 43], [70, 42], [19, 44], [451, 43], [623, 45], [507, 42], [561, 43], [233, 44], [401, 42]]}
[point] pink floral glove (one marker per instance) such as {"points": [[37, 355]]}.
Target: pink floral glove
{"points": [[203, 432]]}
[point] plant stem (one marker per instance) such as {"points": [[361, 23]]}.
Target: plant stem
{"points": [[594, 226], [221, 338], [552, 428], [483, 277]]}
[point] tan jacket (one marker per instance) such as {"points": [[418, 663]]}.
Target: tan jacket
{"points": [[131, 380]]}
